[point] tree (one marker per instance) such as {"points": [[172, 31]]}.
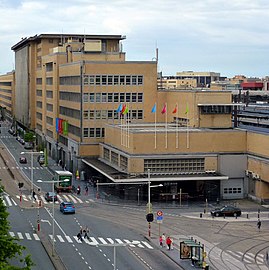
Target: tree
{"points": [[9, 246]]}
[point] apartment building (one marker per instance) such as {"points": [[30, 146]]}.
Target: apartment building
{"points": [[7, 92]]}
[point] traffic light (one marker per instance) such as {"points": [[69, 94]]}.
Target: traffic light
{"points": [[20, 185], [150, 217]]}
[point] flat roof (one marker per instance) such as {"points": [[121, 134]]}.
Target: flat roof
{"points": [[121, 177], [26, 40]]}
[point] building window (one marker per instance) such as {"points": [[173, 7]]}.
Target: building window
{"points": [[49, 107], [110, 80], [110, 114], [49, 67], [98, 97], [116, 97], [114, 158], [106, 154], [140, 97], [97, 80], [104, 97], [134, 97], [91, 132], [98, 114], [49, 120], [39, 104], [49, 94], [98, 133], [116, 80], [91, 115], [104, 80], [122, 97], [140, 80], [128, 80], [49, 81], [104, 114], [91, 97], [124, 163], [85, 115], [85, 97], [110, 97], [128, 97], [134, 80], [39, 93], [85, 132]]}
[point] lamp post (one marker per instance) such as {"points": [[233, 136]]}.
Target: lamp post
{"points": [[53, 182], [149, 204], [32, 172]]}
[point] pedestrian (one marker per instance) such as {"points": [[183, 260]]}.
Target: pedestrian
{"points": [[161, 241], [86, 190], [79, 236], [34, 195], [259, 223], [168, 243], [78, 190], [86, 231]]}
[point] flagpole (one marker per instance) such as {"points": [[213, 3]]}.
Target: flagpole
{"points": [[155, 116], [188, 134], [177, 127], [166, 142]]}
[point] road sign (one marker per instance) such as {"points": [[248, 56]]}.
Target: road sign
{"points": [[159, 213], [159, 219]]}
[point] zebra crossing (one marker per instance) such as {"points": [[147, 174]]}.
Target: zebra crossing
{"points": [[249, 257], [25, 167], [8, 201], [93, 241]]}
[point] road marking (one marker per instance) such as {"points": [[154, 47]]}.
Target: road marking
{"points": [[147, 244], [24, 197], [102, 240], [68, 239], [60, 238], [79, 200], [20, 235], [119, 241], [28, 236], [36, 237], [8, 200], [12, 234], [13, 201], [110, 240], [43, 199], [129, 243], [66, 198], [5, 204], [73, 199]]}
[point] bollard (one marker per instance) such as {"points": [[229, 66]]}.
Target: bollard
{"points": [[201, 215], [247, 216], [204, 211], [258, 215], [223, 215]]}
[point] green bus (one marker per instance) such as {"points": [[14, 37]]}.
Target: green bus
{"points": [[61, 183]]}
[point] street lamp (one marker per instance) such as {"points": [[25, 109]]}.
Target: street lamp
{"points": [[32, 173], [53, 182], [149, 187]]}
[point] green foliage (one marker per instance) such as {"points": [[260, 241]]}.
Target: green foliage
{"points": [[29, 137], [9, 246]]}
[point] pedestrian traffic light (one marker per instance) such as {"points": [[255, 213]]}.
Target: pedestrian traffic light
{"points": [[20, 185], [150, 217]]}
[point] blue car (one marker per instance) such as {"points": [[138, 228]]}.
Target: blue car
{"points": [[67, 207]]}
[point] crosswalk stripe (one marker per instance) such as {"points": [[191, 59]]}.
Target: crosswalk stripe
{"points": [[102, 240], [129, 243], [43, 199], [86, 241], [28, 236], [51, 237], [60, 238], [94, 242], [73, 199], [68, 239], [76, 238], [13, 202], [119, 241], [110, 240], [79, 200], [20, 235], [5, 204], [137, 243], [8, 200], [66, 198], [36, 236], [59, 199], [12, 234], [24, 197], [147, 244]]}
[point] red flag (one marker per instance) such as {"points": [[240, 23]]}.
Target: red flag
{"points": [[164, 109], [123, 109], [175, 110]]}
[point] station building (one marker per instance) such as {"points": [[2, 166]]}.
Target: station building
{"points": [[99, 113]]}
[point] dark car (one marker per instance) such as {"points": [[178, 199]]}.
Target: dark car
{"points": [[51, 196], [226, 210], [23, 160], [41, 159], [67, 207]]}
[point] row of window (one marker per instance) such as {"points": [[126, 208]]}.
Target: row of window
{"points": [[110, 114], [112, 97], [114, 157], [6, 83], [5, 97], [232, 190], [216, 109], [113, 79], [70, 112], [175, 165], [93, 132]]}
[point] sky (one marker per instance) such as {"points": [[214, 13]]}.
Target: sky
{"points": [[226, 36]]}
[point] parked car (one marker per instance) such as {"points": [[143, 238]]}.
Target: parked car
{"points": [[41, 159], [29, 145], [226, 210], [22, 141], [67, 207], [51, 196], [23, 160]]}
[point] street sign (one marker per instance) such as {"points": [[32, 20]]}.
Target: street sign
{"points": [[159, 219], [159, 213]]}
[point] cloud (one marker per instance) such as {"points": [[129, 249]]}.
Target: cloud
{"points": [[189, 33]]}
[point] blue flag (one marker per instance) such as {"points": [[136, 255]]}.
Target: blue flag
{"points": [[119, 109], [153, 110]]}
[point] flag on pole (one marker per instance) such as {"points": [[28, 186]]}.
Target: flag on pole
{"points": [[123, 108], [119, 108], [187, 108], [175, 110], [153, 110], [126, 110], [164, 109]]}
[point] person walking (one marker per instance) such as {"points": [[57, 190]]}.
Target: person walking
{"points": [[86, 190], [86, 231], [78, 190], [161, 241], [259, 223], [34, 195], [168, 243]]}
